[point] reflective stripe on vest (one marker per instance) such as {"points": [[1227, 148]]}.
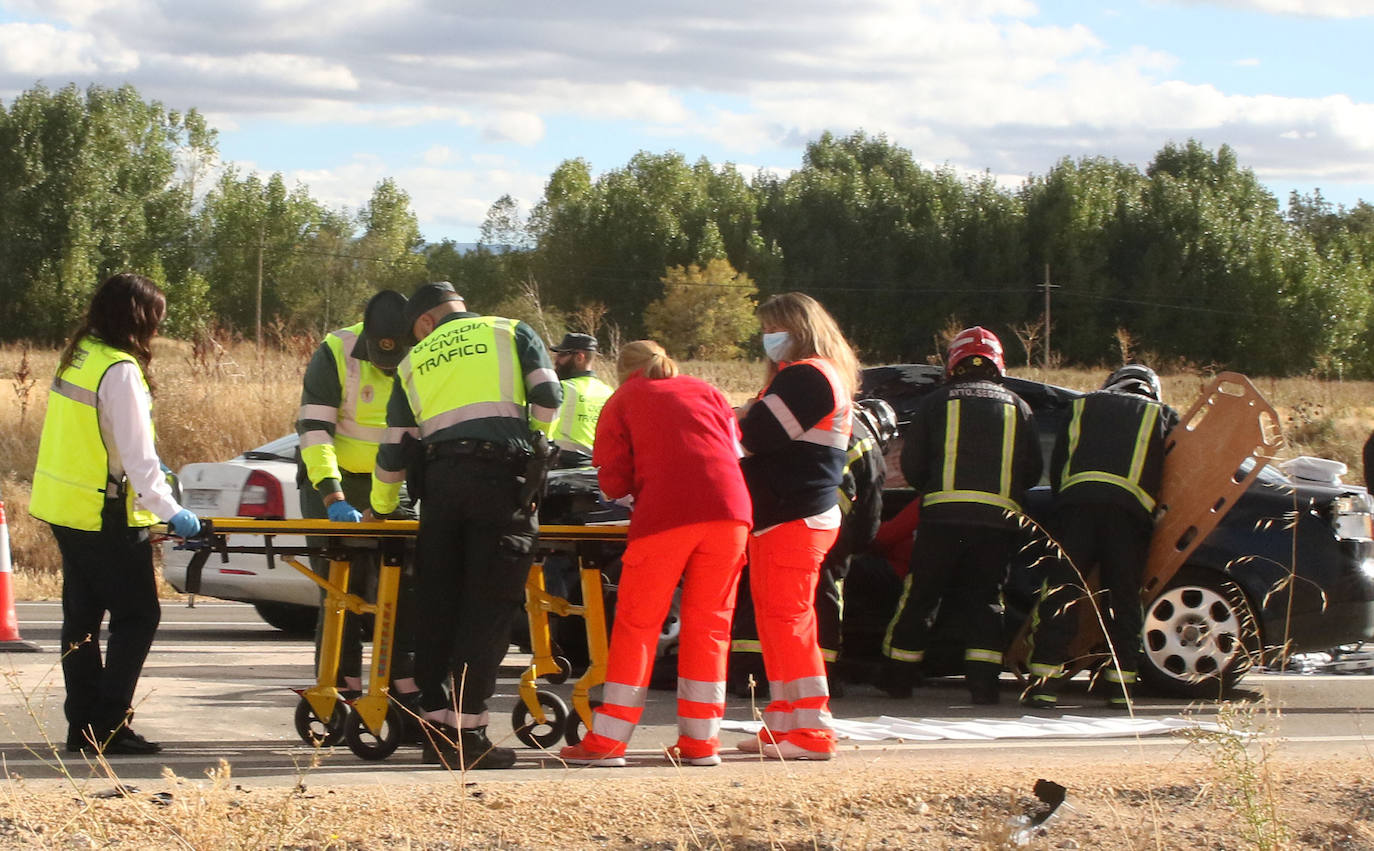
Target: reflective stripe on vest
{"points": [[72, 476], [583, 399], [359, 421], [449, 376], [834, 428], [1131, 481], [948, 493]]}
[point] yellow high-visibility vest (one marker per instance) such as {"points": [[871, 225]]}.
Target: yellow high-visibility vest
{"points": [[73, 471], [466, 369], [359, 421], [583, 399]]}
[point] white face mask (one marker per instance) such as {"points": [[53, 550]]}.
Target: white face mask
{"points": [[776, 345]]}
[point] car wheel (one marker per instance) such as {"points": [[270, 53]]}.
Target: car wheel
{"points": [[288, 617], [1200, 636]]}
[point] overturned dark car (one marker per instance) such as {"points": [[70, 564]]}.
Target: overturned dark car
{"points": [[1290, 569]]}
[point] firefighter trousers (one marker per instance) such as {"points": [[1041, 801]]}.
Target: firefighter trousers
{"points": [[1116, 542], [707, 558], [979, 555]]}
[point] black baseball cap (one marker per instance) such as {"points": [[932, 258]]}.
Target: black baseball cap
{"points": [[386, 333], [429, 296], [576, 343]]}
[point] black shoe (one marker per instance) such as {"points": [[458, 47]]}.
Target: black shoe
{"points": [[78, 738], [442, 743], [984, 694], [123, 741], [1039, 696], [898, 679]]}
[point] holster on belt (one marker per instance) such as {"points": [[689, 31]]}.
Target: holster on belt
{"points": [[537, 468]]}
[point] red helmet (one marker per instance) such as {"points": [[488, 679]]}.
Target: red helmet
{"points": [[975, 342]]}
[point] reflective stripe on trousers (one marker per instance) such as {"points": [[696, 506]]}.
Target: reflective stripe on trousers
{"points": [[707, 557], [784, 567]]}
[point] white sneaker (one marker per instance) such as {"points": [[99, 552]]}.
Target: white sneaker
{"points": [[788, 750], [713, 759]]}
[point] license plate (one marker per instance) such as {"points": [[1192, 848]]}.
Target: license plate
{"points": [[202, 498]]}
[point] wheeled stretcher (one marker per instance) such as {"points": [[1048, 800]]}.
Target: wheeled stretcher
{"points": [[373, 725]]}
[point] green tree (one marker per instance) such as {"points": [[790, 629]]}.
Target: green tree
{"points": [[704, 312]]}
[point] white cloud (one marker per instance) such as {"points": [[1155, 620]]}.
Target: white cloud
{"points": [[437, 155], [1250, 62], [522, 128], [42, 50], [1300, 8]]}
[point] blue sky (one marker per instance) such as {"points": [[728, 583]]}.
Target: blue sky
{"points": [[462, 102]]}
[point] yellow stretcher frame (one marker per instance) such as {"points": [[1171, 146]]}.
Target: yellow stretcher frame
{"points": [[322, 703]]}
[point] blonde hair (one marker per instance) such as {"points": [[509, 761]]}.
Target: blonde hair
{"points": [[645, 357], [812, 332]]}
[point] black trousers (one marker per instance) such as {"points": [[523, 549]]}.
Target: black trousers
{"points": [[364, 569], [979, 556], [106, 571], [1113, 540], [475, 548]]}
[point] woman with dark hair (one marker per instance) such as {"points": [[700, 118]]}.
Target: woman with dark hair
{"points": [[99, 485], [795, 438]]}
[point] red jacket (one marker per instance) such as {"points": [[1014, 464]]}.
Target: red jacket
{"points": [[673, 443]]}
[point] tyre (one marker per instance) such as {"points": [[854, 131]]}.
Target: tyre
{"points": [[366, 744], [547, 734], [317, 732], [288, 617], [1200, 636]]}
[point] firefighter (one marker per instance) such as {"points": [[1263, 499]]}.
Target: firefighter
{"points": [[671, 441], [1105, 472], [861, 504], [99, 485], [795, 436], [971, 452], [583, 397], [478, 392], [341, 423]]}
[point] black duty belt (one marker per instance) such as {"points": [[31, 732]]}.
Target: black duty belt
{"points": [[485, 449]]}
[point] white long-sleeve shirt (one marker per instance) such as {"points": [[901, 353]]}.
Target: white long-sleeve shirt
{"points": [[128, 433]]}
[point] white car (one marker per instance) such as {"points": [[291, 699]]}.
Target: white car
{"points": [[259, 483]]}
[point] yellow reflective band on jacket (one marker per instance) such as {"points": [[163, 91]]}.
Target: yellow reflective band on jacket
{"points": [[583, 399], [466, 369], [359, 421], [1131, 481], [949, 492], [746, 645], [73, 470]]}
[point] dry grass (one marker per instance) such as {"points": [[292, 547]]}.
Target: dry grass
{"points": [[214, 401]]}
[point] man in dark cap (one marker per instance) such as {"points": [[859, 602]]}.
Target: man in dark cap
{"points": [[479, 393], [342, 421], [583, 397]]}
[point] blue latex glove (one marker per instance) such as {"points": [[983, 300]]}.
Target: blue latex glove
{"points": [[184, 524], [342, 512]]}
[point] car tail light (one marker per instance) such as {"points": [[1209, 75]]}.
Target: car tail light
{"points": [[262, 497], [1351, 516]]}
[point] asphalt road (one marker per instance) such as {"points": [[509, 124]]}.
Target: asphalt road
{"points": [[218, 686]]}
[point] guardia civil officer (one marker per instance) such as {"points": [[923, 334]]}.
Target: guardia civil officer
{"points": [[584, 395], [971, 452], [1106, 472], [341, 423], [472, 390]]}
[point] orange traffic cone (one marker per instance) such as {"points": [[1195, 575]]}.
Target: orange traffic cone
{"points": [[9, 622]]}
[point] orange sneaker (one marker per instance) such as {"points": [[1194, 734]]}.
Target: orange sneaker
{"points": [[696, 752], [800, 744], [579, 755]]}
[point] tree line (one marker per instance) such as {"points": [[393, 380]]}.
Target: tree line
{"points": [[1189, 260]]}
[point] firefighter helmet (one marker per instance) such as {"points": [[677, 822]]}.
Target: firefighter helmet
{"points": [[880, 419], [1135, 378], [979, 345]]}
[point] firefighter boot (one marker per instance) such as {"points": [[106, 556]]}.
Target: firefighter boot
{"points": [[897, 679], [1040, 694]]}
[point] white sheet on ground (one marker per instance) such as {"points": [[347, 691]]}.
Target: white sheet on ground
{"points": [[987, 729]]}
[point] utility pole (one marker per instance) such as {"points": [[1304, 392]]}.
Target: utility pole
{"points": [[259, 312], [1047, 287]]}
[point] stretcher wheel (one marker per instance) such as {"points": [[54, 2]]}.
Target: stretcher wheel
{"points": [[369, 745], [320, 733], [574, 729], [564, 671], [540, 735]]}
